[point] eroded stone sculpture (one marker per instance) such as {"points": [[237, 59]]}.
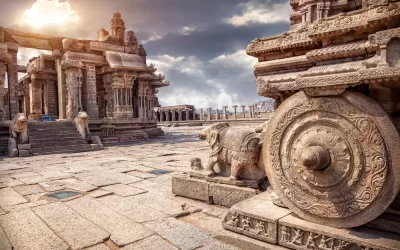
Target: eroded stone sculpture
{"points": [[195, 164], [81, 122], [19, 128], [235, 151]]}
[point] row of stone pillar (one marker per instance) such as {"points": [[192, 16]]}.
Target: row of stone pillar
{"points": [[170, 115], [251, 113]]}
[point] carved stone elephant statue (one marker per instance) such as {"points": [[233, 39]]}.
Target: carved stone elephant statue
{"points": [[19, 128], [81, 122], [236, 152]]}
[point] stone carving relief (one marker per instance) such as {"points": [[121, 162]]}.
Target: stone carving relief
{"points": [[250, 226], [81, 122], [235, 151], [334, 169], [195, 164], [19, 128]]}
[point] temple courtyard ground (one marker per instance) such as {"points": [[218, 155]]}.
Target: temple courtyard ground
{"points": [[122, 200]]}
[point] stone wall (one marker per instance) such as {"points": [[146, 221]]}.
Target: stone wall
{"points": [[50, 98]]}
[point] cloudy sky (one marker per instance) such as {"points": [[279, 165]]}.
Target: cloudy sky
{"points": [[198, 44]]}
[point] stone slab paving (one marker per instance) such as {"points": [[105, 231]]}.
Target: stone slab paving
{"points": [[74, 229], [134, 211], [123, 230], [109, 213], [26, 231], [154, 242], [9, 197], [124, 190]]}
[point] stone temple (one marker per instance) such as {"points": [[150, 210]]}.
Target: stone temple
{"points": [[107, 78]]}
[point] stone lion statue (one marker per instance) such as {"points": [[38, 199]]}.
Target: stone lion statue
{"points": [[235, 151], [81, 122], [19, 128]]}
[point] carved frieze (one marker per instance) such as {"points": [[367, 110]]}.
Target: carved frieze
{"points": [[355, 49], [282, 64], [84, 57], [383, 37], [250, 226], [100, 46]]}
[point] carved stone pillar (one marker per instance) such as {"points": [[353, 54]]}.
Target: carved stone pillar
{"points": [[35, 92], [3, 69], [62, 90], [217, 115], [194, 114], [187, 114], [50, 98], [224, 113], [73, 77], [209, 114], [234, 111], [244, 111], [173, 113], [161, 115], [90, 91], [180, 114], [12, 74], [167, 115], [201, 114], [122, 83]]}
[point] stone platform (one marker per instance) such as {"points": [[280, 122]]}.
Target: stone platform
{"points": [[217, 190], [260, 219]]}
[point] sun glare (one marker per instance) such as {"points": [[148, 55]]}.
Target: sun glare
{"points": [[46, 13]]}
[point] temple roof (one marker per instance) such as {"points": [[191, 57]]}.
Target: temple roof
{"points": [[124, 61]]}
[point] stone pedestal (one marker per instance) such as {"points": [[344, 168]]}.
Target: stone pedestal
{"points": [[260, 219], [218, 190]]}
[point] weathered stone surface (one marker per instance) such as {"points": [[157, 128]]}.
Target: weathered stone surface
{"points": [[99, 193], [227, 195], [218, 245], [387, 222], [26, 231], [256, 217], [4, 243], [8, 197], [190, 188], [123, 230], [154, 242], [159, 203], [124, 190], [24, 147], [28, 189], [142, 175], [120, 177], [173, 229], [33, 180], [294, 232], [70, 183], [24, 153], [77, 231], [98, 247], [134, 211], [95, 179]]}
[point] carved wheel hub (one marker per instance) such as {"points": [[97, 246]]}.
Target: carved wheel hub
{"points": [[329, 158]]}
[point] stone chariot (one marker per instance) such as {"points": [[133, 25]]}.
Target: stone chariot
{"points": [[331, 150]]}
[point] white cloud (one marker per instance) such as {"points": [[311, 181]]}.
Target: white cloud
{"points": [[53, 13], [206, 83], [186, 31], [153, 37], [261, 13]]}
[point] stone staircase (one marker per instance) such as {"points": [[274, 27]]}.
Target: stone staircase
{"points": [[4, 135], [55, 138]]}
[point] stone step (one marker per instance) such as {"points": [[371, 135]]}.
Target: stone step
{"points": [[57, 149], [54, 136], [46, 139], [52, 129], [63, 152], [52, 143]]}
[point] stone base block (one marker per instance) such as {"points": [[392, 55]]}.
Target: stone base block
{"points": [[225, 180], [96, 140], [24, 147], [219, 194], [259, 218], [12, 148], [95, 146], [190, 188], [24, 153]]}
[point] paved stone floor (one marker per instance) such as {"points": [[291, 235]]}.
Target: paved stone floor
{"points": [[123, 201]]}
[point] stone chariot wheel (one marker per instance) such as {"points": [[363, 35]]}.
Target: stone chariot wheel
{"points": [[333, 160]]}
